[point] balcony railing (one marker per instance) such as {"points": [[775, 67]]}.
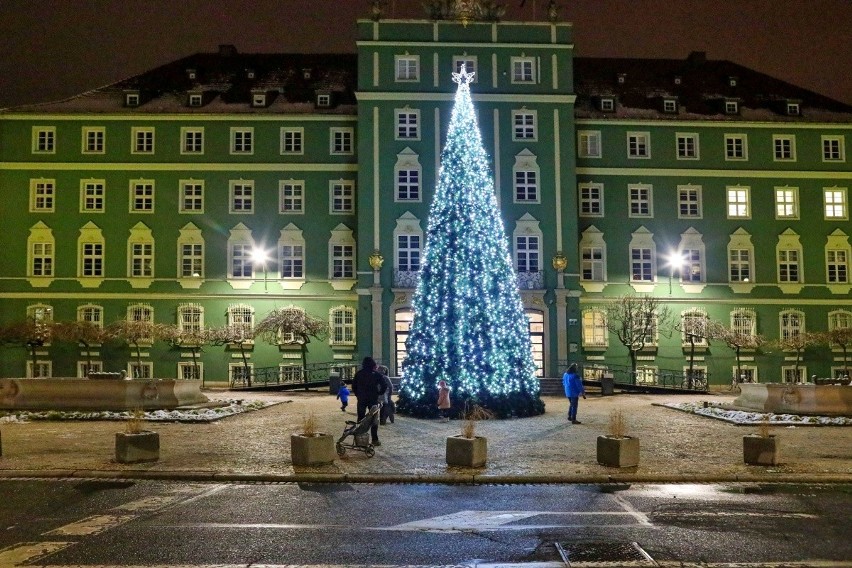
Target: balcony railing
{"points": [[533, 280], [405, 278]]}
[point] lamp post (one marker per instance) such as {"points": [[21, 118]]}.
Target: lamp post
{"points": [[675, 261], [260, 256]]}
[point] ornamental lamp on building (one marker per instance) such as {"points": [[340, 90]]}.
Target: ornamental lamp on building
{"points": [[376, 260], [559, 261]]}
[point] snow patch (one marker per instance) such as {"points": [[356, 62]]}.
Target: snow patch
{"points": [[229, 408], [744, 417]]}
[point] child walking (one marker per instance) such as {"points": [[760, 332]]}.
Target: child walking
{"points": [[343, 396]]}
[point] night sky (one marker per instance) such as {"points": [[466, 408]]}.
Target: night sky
{"points": [[50, 49]]}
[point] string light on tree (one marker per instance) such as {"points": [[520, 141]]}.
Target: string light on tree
{"points": [[469, 325]]}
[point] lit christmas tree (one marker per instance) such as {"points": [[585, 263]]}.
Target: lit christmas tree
{"points": [[469, 326]]}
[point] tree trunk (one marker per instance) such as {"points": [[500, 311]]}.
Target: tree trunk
{"points": [[246, 371], [739, 366], [633, 366]]}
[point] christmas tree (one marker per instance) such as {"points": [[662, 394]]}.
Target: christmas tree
{"points": [[469, 326]]}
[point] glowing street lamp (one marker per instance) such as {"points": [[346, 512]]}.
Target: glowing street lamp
{"points": [[675, 262], [260, 256]]}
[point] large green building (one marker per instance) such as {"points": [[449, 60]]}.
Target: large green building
{"points": [[145, 200]]}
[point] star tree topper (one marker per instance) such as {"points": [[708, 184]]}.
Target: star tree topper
{"points": [[463, 78]]}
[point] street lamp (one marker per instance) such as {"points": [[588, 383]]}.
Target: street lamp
{"points": [[260, 256], [675, 262]]}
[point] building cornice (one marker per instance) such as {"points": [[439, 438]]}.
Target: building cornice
{"points": [[464, 45], [183, 166], [739, 174], [581, 122], [218, 117], [480, 97]]}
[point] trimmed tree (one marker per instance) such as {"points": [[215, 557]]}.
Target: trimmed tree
{"points": [[635, 321], [842, 338], [292, 326], [31, 334], [798, 343], [736, 340], [237, 335], [82, 333], [134, 333], [189, 338]]}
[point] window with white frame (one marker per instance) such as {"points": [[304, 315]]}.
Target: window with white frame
{"points": [[526, 186], [142, 140], [39, 369], [92, 194], [44, 140], [323, 99], [641, 264], [788, 266], [342, 261], [291, 197], [638, 145], [589, 143], [292, 140], [646, 374], [647, 328], [466, 61], [341, 140], [191, 259], [748, 373], [834, 199], [92, 314], [407, 124], [840, 319], [689, 202], [42, 195], [407, 68], [192, 140], [784, 147], [342, 197], [523, 70], [739, 202], [732, 107], [41, 259], [744, 322], [527, 253], [739, 264], [242, 140], [693, 327], [188, 371], [84, 368], [687, 146], [786, 202], [142, 196], [93, 139], [240, 373], [792, 323], [408, 185], [833, 149], [40, 313], [736, 147], [91, 259], [837, 266], [592, 263], [342, 319], [143, 316], [190, 318], [241, 317], [692, 269], [242, 196], [242, 265], [794, 109], [524, 125], [591, 199], [191, 196], [595, 333], [408, 252], [141, 260], [641, 200], [794, 374], [607, 104], [292, 260]]}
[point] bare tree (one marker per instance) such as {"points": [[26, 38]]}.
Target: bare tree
{"points": [[134, 333], [190, 338], [83, 333], [292, 326], [841, 337], [237, 335], [736, 339], [799, 342], [694, 327], [635, 321], [31, 333]]}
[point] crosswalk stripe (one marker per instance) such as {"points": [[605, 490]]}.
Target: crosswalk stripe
{"points": [[24, 552]]}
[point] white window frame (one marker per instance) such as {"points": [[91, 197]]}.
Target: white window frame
{"points": [[594, 328], [142, 195], [242, 141], [644, 199], [789, 261], [236, 372], [839, 319], [471, 65], [607, 104], [91, 313], [732, 107], [86, 367], [341, 197], [189, 145], [687, 146], [528, 251], [408, 251], [191, 196], [837, 266], [833, 148], [141, 137], [292, 140], [734, 142], [523, 70], [291, 260], [791, 323], [589, 144], [241, 315], [342, 322], [783, 144], [42, 369], [291, 197], [190, 317], [42, 258], [190, 260], [44, 140], [140, 259], [342, 261], [689, 197], [591, 199], [187, 370], [686, 318], [639, 145], [407, 122], [240, 256], [92, 195], [92, 255], [669, 105], [406, 68], [789, 373], [246, 197], [740, 206], [744, 321], [524, 125], [835, 203], [42, 195], [93, 140], [341, 141], [646, 255], [786, 202]]}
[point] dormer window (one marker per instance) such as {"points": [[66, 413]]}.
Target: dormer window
{"points": [[670, 106], [258, 100], [794, 109], [324, 100], [194, 99], [607, 104], [191, 74], [732, 81], [678, 80], [306, 73], [732, 107], [622, 77], [250, 74], [131, 99]]}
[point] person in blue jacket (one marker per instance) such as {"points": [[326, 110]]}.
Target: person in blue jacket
{"points": [[573, 385], [343, 396]]}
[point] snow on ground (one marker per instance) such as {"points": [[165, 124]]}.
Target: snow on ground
{"points": [[745, 417], [229, 408]]}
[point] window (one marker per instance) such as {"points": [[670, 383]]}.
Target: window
{"points": [[669, 106], [258, 100], [591, 200], [689, 202], [732, 107], [92, 260], [292, 261], [242, 196], [341, 140], [784, 148], [641, 204], [342, 197], [527, 253], [192, 140], [323, 99], [792, 324], [408, 253], [142, 140], [738, 203], [407, 68], [607, 104], [739, 265], [291, 197], [195, 100], [788, 266], [835, 203], [744, 322], [408, 185], [191, 196], [190, 318], [188, 371], [692, 268], [641, 264], [592, 263], [342, 261], [292, 140], [93, 140], [793, 374], [92, 196], [131, 99], [41, 259], [142, 196], [638, 145], [794, 109], [841, 319], [140, 313], [84, 368], [833, 149], [407, 124], [39, 369], [240, 373], [837, 266], [242, 140], [143, 370], [526, 186], [693, 325], [786, 202], [141, 260], [44, 140], [342, 326], [687, 146], [241, 261], [191, 260], [241, 317], [524, 125], [589, 143], [523, 70], [736, 147], [595, 333], [42, 194], [466, 61]]}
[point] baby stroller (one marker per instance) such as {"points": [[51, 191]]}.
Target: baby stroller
{"points": [[360, 432]]}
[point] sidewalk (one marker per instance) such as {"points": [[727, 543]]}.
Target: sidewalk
{"points": [[675, 446]]}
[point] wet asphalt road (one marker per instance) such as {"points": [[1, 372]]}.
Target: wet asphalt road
{"points": [[142, 523]]}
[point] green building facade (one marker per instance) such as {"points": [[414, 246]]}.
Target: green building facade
{"points": [[145, 200]]}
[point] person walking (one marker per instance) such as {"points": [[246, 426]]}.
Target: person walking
{"points": [[444, 401], [388, 407], [343, 397], [368, 386], [573, 385]]}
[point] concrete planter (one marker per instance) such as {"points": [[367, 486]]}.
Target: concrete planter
{"points": [[618, 452], [761, 450], [467, 452], [137, 447], [312, 450]]}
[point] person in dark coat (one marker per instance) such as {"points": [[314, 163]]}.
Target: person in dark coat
{"points": [[368, 386], [388, 406], [574, 389]]}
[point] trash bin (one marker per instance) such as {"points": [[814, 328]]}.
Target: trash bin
{"points": [[333, 382], [607, 384]]}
